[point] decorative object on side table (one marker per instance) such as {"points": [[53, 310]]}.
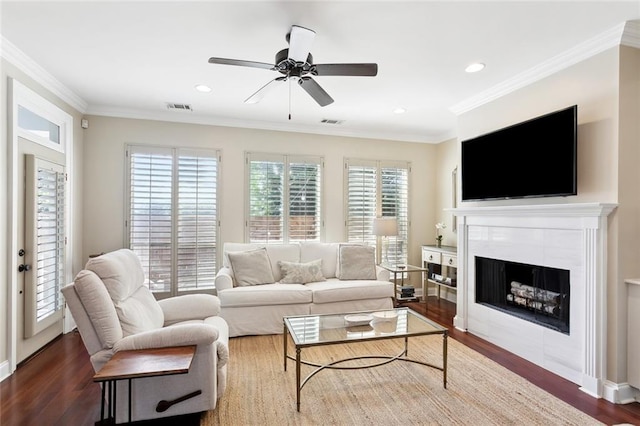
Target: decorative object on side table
{"points": [[439, 226]]}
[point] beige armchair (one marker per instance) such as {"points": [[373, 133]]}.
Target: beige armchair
{"points": [[115, 311]]}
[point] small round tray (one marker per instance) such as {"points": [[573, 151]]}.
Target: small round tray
{"points": [[357, 319]]}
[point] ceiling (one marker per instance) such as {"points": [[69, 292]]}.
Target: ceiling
{"points": [[130, 59]]}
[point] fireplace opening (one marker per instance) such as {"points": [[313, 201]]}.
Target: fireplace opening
{"points": [[538, 294]]}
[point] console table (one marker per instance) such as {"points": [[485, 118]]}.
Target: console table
{"points": [[441, 264]]}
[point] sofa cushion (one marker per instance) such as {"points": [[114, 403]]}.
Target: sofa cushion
{"points": [[123, 276], [301, 273], [251, 267], [282, 252], [334, 290], [327, 252], [356, 262], [264, 295]]}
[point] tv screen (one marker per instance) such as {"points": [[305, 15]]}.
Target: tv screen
{"points": [[535, 158]]}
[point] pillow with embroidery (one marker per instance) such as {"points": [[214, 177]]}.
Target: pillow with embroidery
{"points": [[301, 273]]}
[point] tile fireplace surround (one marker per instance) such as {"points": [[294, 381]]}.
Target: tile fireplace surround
{"points": [[565, 236]]}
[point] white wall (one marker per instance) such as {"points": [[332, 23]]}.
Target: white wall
{"points": [[607, 152], [7, 260], [105, 173]]}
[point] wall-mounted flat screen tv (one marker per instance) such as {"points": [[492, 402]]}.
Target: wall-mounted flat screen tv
{"points": [[535, 158]]}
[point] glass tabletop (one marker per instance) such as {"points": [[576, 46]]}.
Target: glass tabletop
{"points": [[401, 268], [310, 330]]}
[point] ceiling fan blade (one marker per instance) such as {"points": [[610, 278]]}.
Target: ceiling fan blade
{"points": [[238, 62], [363, 70], [300, 41], [260, 94], [316, 92]]}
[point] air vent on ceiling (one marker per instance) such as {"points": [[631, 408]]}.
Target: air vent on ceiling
{"points": [[179, 107], [331, 121]]}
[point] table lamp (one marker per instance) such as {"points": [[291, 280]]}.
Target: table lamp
{"points": [[385, 227]]}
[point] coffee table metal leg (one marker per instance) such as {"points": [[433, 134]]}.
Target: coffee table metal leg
{"points": [[298, 350], [129, 400], [284, 343]]}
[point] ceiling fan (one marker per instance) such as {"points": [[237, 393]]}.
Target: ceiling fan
{"points": [[296, 64]]}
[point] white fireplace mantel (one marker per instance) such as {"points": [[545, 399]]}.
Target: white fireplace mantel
{"points": [[570, 236]]}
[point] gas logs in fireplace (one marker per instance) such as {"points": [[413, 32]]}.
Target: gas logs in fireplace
{"points": [[534, 293]]}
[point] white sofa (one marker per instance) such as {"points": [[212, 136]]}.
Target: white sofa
{"points": [[258, 307], [115, 311]]}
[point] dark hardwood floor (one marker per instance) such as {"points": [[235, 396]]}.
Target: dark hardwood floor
{"points": [[55, 386]]}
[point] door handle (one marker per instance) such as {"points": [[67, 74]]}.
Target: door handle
{"points": [[24, 268]]}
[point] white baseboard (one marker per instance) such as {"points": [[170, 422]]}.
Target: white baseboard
{"points": [[620, 393], [5, 370]]}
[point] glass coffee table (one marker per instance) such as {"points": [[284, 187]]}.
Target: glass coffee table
{"points": [[331, 329]]}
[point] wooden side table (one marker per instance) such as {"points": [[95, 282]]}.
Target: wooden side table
{"points": [[129, 365]]}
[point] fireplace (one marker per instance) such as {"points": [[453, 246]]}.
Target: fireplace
{"points": [[565, 242], [538, 294]]}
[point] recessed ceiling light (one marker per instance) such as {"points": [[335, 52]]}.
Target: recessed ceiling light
{"points": [[475, 67], [202, 88], [399, 111]]}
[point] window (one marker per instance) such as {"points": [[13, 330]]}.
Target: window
{"points": [[378, 189], [284, 198], [173, 216]]}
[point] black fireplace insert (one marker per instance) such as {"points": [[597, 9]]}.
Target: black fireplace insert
{"points": [[538, 294]]}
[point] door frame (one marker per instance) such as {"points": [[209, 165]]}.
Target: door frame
{"points": [[19, 94]]}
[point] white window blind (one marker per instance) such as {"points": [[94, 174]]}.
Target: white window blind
{"points": [[378, 189], [284, 198], [173, 221]]}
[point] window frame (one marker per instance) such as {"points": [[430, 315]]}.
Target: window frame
{"points": [[287, 160], [403, 226], [175, 153]]}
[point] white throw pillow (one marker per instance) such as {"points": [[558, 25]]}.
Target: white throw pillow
{"points": [[251, 267], [356, 262], [301, 273]]}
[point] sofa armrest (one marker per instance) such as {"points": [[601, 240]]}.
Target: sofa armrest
{"points": [[179, 335], [224, 279], [382, 274], [189, 307]]}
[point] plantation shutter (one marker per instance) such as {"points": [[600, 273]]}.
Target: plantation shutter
{"points": [[378, 189], [304, 200], [46, 233], [361, 181], [394, 191], [266, 199], [197, 220], [172, 224], [284, 201], [151, 214]]}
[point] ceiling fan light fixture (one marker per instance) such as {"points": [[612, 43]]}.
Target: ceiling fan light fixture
{"points": [[202, 88], [475, 67]]}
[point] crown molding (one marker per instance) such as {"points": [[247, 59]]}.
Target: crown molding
{"points": [[24, 63], [631, 34], [191, 118], [582, 51]]}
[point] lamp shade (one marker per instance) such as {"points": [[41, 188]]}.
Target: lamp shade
{"points": [[385, 226]]}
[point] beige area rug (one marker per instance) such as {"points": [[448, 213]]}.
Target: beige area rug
{"points": [[479, 391]]}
